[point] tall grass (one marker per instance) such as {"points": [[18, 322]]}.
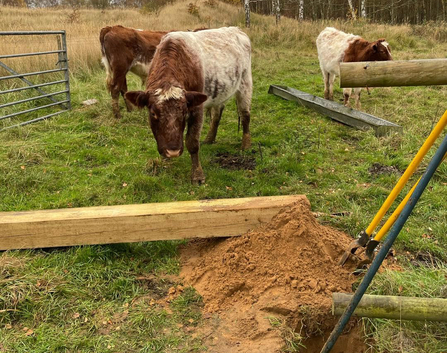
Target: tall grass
{"points": [[83, 28]]}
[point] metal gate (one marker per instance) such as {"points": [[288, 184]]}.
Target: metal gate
{"points": [[62, 104]]}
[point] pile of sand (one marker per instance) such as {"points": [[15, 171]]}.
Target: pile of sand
{"points": [[286, 269]]}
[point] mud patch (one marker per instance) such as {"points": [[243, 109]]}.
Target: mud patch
{"points": [[285, 270], [378, 169], [235, 162]]}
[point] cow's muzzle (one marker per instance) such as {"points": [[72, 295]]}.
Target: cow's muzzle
{"points": [[172, 153]]}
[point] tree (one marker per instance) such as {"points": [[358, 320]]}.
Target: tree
{"points": [[247, 13], [301, 11], [363, 8], [352, 10]]}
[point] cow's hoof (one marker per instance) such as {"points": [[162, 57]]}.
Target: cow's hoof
{"points": [[246, 141], [208, 141], [198, 177]]}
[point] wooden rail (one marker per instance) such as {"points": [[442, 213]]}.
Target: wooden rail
{"points": [[394, 73], [392, 307], [134, 223]]}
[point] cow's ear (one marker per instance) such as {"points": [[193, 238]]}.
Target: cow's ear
{"points": [[194, 99], [375, 47], [139, 99]]}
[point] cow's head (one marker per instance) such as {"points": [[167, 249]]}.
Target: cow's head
{"points": [[168, 110], [379, 51]]}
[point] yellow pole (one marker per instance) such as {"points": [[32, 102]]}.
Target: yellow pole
{"points": [[408, 173], [389, 223]]}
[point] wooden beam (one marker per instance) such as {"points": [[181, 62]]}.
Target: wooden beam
{"points": [[134, 223], [337, 111], [392, 307], [394, 73]]}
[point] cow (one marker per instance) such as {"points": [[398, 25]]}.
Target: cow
{"points": [[190, 72], [126, 49], [334, 47]]}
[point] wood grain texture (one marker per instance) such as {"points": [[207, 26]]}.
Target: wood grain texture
{"points": [[393, 307], [394, 73], [134, 223]]}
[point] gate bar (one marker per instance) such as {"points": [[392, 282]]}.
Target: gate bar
{"points": [[34, 86], [31, 110], [32, 99], [34, 120], [7, 68], [29, 54], [20, 33], [31, 74]]}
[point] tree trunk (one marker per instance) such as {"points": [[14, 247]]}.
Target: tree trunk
{"points": [[247, 13], [301, 11], [363, 8], [277, 12], [352, 10]]}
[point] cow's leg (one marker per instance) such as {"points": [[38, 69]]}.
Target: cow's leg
{"points": [[331, 79], [123, 92], [195, 122], [357, 92], [243, 100], [326, 84], [346, 94], [116, 86], [216, 115]]}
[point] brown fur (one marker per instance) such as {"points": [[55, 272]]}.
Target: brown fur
{"points": [[362, 50], [122, 46], [173, 66]]}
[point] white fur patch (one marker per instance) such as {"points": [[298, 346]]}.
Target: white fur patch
{"points": [[106, 64], [171, 93]]}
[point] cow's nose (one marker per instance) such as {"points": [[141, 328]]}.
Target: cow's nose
{"points": [[172, 153]]}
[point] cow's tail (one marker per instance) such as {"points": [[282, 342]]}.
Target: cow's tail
{"points": [[105, 60]]}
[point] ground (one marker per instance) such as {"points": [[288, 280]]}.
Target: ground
{"points": [[130, 297]]}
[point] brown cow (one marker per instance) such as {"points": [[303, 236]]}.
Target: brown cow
{"points": [[335, 46], [188, 69], [123, 50]]}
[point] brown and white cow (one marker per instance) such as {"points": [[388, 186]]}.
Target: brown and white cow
{"points": [[191, 71], [123, 50], [335, 46]]}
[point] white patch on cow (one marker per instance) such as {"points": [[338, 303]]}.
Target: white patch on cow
{"points": [[106, 64], [224, 55], [387, 46], [171, 93], [140, 69]]}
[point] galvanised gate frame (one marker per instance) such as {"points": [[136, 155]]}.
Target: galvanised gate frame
{"points": [[62, 62]]}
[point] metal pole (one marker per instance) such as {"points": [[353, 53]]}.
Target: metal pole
{"points": [[338, 329], [67, 74]]}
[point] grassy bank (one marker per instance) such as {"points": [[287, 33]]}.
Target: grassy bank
{"points": [[111, 298]]}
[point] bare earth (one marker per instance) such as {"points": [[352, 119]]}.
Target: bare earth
{"points": [[286, 269]]}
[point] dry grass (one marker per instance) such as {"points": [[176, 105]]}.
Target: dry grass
{"points": [[83, 28]]}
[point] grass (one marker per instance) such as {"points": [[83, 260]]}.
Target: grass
{"points": [[87, 158]]}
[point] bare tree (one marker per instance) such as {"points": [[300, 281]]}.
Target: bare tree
{"points": [[363, 8], [301, 11], [277, 12], [247, 13], [352, 10]]}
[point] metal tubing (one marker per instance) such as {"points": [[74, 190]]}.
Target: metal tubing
{"points": [[34, 86], [437, 130], [434, 163], [32, 99], [67, 74], [29, 54], [28, 33], [7, 68], [34, 120], [31, 110], [31, 74]]}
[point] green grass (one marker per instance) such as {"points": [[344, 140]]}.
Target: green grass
{"points": [[75, 299]]}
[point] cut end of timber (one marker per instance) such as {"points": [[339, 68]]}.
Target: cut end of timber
{"points": [[136, 223]]}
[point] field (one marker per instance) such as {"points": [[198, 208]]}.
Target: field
{"points": [[110, 298]]}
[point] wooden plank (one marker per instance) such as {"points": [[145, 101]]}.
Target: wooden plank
{"points": [[392, 307], [337, 111], [394, 73], [134, 223]]}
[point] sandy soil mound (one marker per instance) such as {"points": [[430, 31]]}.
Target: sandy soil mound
{"points": [[284, 271]]}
